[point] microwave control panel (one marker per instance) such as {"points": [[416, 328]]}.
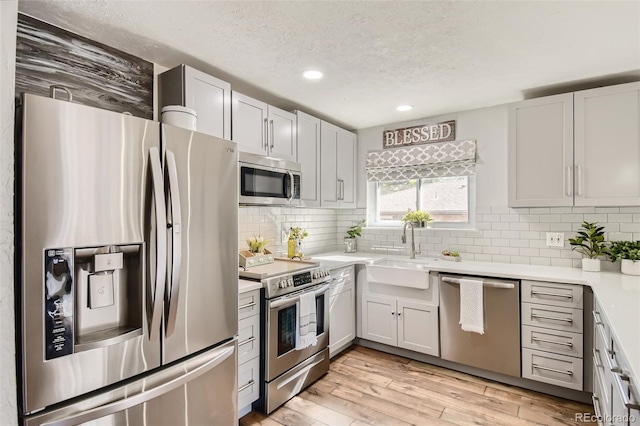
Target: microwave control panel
{"points": [[58, 302]]}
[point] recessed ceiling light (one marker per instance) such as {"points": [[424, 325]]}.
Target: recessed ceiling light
{"points": [[404, 108], [312, 74]]}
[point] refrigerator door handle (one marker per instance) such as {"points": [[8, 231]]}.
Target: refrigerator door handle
{"points": [[173, 287], [157, 297], [142, 397]]}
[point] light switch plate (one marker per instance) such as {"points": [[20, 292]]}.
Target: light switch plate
{"points": [[555, 239]]}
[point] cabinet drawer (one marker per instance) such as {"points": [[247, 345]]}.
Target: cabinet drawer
{"points": [[555, 369], [248, 338], [248, 386], [248, 304], [555, 294], [555, 341], [553, 317]]}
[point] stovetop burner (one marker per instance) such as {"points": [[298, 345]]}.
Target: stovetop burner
{"points": [[285, 276]]}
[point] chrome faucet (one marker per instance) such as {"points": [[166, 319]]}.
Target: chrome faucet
{"points": [[413, 252]]}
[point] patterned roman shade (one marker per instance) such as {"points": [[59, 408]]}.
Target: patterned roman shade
{"points": [[422, 161]]}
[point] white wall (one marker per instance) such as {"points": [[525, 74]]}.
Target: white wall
{"points": [[8, 24], [487, 126]]}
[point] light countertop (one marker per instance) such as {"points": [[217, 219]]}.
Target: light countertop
{"points": [[618, 294], [245, 286]]}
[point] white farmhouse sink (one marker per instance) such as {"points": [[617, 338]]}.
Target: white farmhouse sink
{"points": [[399, 273]]}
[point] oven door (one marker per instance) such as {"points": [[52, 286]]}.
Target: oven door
{"points": [[268, 185], [282, 321]]}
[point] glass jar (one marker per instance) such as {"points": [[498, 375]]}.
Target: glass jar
{"points": [[350, 245]]}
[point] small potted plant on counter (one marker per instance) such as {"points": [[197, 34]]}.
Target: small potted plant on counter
{"points": [[294, 244], [628, 252], [350, 245], [418, 218], [590, 243]]}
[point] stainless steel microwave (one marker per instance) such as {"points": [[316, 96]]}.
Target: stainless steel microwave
{"points": [[268, 181]]}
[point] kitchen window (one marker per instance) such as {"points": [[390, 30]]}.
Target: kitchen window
{"points": [[438, 178], [449, 200]]}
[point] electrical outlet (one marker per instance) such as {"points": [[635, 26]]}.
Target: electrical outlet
{"points": [[555, 239]]}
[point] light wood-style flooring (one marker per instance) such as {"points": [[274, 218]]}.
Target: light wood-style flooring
{"points": [[368, 387]]}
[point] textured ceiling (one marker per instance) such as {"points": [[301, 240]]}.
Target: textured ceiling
{"points": [[438, 56]]}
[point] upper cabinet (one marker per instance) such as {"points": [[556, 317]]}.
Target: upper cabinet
{"points": [[308, 131], [208, 96], [607, 146], [263, 129], [579, 149], [338, 167]]}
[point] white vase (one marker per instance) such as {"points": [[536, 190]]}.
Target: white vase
{"points": [[591, 265], [630, 267]]}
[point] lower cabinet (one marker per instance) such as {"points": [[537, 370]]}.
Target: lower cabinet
{"points": [[403, 323], [342, 310], [248, 350]]}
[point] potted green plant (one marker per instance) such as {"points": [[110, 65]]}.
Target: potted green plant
{"points": [[355, 231], [628, 252], [418, 218], [590, 243]]}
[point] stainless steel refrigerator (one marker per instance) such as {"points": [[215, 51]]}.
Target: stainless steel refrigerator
{"points": [[127, 292]]}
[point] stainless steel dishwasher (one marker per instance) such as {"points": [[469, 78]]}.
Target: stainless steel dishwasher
{"points": [[498, 349]]}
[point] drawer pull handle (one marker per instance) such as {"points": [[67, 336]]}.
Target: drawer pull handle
{"points": [[248, 305], [247, 386], [542, 293], [536, 339], [597, 318], [596, 406], [618, 378], [597, 359], [552, 318], [244, 342], [540, 367]]}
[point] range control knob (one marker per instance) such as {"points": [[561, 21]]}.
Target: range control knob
{"points": [[290, 282], [282, 284], [315, 275]]}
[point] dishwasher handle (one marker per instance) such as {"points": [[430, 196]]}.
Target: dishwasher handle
{"points": [[487, 284]]}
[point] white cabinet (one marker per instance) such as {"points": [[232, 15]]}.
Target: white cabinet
{"points": [[607, 146], [248, 350], [262, 129], [404, 323], [552, 321], [342, 310], [208, 96], [541, 152], [579, 149], [615, 395], [338, 163], [308, 148]]}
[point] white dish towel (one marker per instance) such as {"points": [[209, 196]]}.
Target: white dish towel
{"points": [[306, 330], [472, 306]]}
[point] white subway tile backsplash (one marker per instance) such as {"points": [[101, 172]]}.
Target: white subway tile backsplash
{"points": [[501, 234], [621, 218]]}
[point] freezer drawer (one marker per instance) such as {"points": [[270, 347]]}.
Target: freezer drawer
{"points": [[202, 390]]}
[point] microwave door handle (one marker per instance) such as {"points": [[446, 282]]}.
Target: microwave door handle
{"points": [[155, 298], [291, 186], [173, 290]]}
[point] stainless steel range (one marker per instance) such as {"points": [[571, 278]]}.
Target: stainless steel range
{"points": [[285, 370]]}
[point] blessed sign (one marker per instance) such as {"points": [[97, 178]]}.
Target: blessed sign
{"points": [[439, 132]]}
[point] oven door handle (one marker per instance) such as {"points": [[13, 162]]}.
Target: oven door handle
{"points": [[293, 300]]}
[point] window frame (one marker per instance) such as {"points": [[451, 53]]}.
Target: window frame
{"points": [[373, 214]]}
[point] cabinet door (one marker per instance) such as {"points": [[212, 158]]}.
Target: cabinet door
{"points": [[346, 163], [418, 327], [329, 171], [249, 124], [282, 134], [379, 319], [541, 152], [607, 146], [308, 151], [210, 97], [342, 319]]}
